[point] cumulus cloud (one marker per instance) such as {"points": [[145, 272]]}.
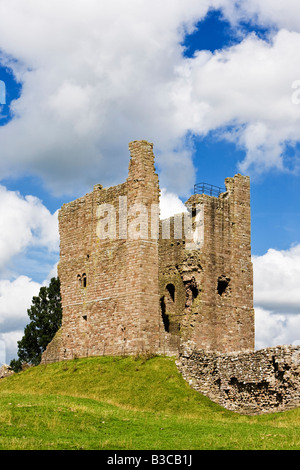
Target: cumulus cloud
{"points": [[170, 204], [247, 87], [277, 280], [26, 226], [274, 329], [277, 297], [2, 351], [93, 80], [9, 346], [269, 12], [15, 299], [25, 222]]}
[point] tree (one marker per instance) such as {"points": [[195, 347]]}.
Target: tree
{"points": [[45, 314]]}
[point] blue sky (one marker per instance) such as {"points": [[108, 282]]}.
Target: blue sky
{"points": [[275, 195], [209, 83]]}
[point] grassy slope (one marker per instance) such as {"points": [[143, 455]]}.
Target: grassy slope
{"points": [[127, 403]]}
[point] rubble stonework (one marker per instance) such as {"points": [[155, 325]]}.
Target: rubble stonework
{"points": [[252, 382], [5, 371], [213, 284]]}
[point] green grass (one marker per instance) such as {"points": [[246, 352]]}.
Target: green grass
{"points": [[128, 403]]}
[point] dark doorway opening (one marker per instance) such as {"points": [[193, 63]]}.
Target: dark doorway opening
{"points": [[165, 317]]}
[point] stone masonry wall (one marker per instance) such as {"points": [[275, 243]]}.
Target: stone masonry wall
{"points": [[109, 285], [138, 288], [129, 288], [206, 289], [250, 382]]}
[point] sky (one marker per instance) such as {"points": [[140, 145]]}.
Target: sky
{"points": [[214, 84]]}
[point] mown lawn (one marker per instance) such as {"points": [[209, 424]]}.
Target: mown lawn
{"points": [[129, 404]]}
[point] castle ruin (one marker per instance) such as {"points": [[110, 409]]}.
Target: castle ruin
{"points": [[132, 283], [139, 286]]}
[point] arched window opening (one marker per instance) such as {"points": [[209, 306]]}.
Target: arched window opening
{"points": [[79, 280], [84, 281]]}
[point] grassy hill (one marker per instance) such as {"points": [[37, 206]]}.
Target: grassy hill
{"points": [[127, 403]]}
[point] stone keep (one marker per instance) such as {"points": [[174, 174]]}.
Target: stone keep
{"points": [[212, 304], [150, 285]]}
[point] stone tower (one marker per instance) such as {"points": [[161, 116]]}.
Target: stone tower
{"points": [[207, 292], [129, 286], [108, 268]]}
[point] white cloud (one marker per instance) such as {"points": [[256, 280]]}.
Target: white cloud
{"points": [[273, 329], [10, 345], [15, 299], [170, 204], [27, 226], [52, 273], [269, 12], [2, 351], [277, 280], [25, 222], [277, 297], [97, 75], [249, 88]]}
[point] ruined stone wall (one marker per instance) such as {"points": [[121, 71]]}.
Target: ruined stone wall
{"points": [[211, 276], [109, 284], [250, 382], [128, 285], [171, 287], [142, 254]]}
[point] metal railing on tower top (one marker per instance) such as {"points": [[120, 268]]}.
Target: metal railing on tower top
{"points": [[210, 189]]}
